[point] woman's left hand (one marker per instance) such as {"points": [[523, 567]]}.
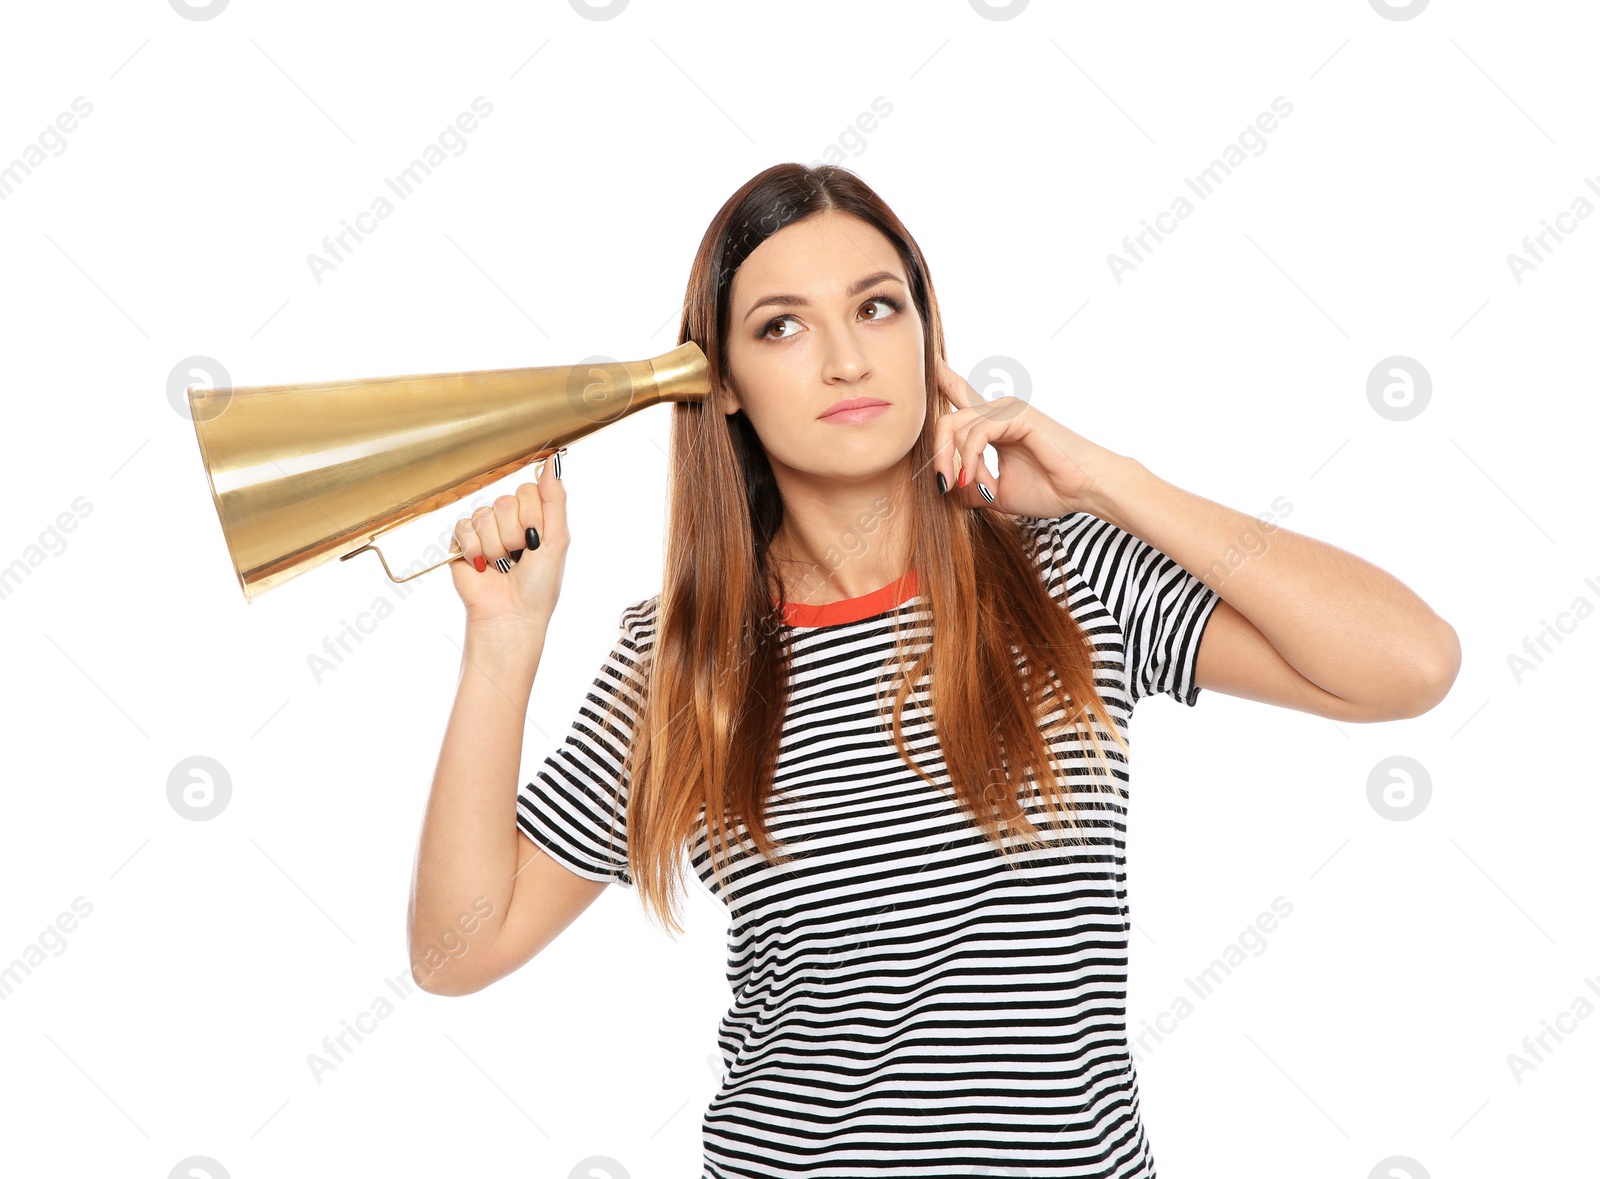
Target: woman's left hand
{"points": [[1046, 470]]}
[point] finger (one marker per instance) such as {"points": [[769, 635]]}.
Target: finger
{"points": [[969, 435], [531, 512], [508, 524], [979, 491], [958, 391], [551, 498], [972, 440], [483, 522], [948, 431], [517, 543], [467, 542]]}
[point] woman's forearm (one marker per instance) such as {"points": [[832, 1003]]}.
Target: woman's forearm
{"points": [[1343, 623], [467, 854]]}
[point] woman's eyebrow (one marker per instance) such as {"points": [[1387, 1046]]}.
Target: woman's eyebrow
{"points": [[800, 301]]}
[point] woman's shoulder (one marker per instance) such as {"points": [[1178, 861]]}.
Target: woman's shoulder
{"points": [[1078, 537], [638, 621], [1056, 527], [1051, 539]]}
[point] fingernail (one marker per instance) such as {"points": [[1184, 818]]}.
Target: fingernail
{"points": [[558, 464], [533, 536], [943, 487], [962, 482], [479, 563], [503, 564], [986, 493]]}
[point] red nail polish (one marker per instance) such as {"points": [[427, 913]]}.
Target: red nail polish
{"points": [[479, 564], [963, 481]]}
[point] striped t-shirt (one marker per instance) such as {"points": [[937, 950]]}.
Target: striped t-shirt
{"points": [[907, 1002]]}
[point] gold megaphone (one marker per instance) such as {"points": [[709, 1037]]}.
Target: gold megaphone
{"points": [[304, 473]]}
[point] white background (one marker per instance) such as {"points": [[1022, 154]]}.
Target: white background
{"points": [[176, 1019]]}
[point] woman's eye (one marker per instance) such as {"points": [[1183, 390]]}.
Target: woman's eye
{"points": [[766, 332]]}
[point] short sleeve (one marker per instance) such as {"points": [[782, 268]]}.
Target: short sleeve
{"points": [[575, 807], [1160, 607]]}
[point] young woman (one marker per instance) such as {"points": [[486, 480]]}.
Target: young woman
{"points": [[881, 703]]}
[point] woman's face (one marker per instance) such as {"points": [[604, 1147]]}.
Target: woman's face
{"points": [[840, 334]]}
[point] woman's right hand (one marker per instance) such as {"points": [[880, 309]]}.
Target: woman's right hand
{"points": [[525, 596]]}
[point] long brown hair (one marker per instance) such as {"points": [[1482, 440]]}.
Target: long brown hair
{"points": [[1008, 664]]}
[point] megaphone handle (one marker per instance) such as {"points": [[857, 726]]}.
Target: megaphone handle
{"points": [[513, 557], [374, 548]]}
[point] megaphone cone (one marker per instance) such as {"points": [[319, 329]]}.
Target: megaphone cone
{"points": [[307, 473]]}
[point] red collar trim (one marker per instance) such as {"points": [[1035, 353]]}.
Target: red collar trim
{"points": [[879, 601]]}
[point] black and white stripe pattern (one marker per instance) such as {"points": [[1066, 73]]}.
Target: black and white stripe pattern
{"points": [[906, 1000]]}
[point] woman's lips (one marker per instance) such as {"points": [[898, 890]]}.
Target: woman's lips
{"points": [[865, 413]]}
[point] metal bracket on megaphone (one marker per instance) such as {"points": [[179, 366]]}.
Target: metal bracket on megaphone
{"points": [[372, 548], [513, 557]]}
